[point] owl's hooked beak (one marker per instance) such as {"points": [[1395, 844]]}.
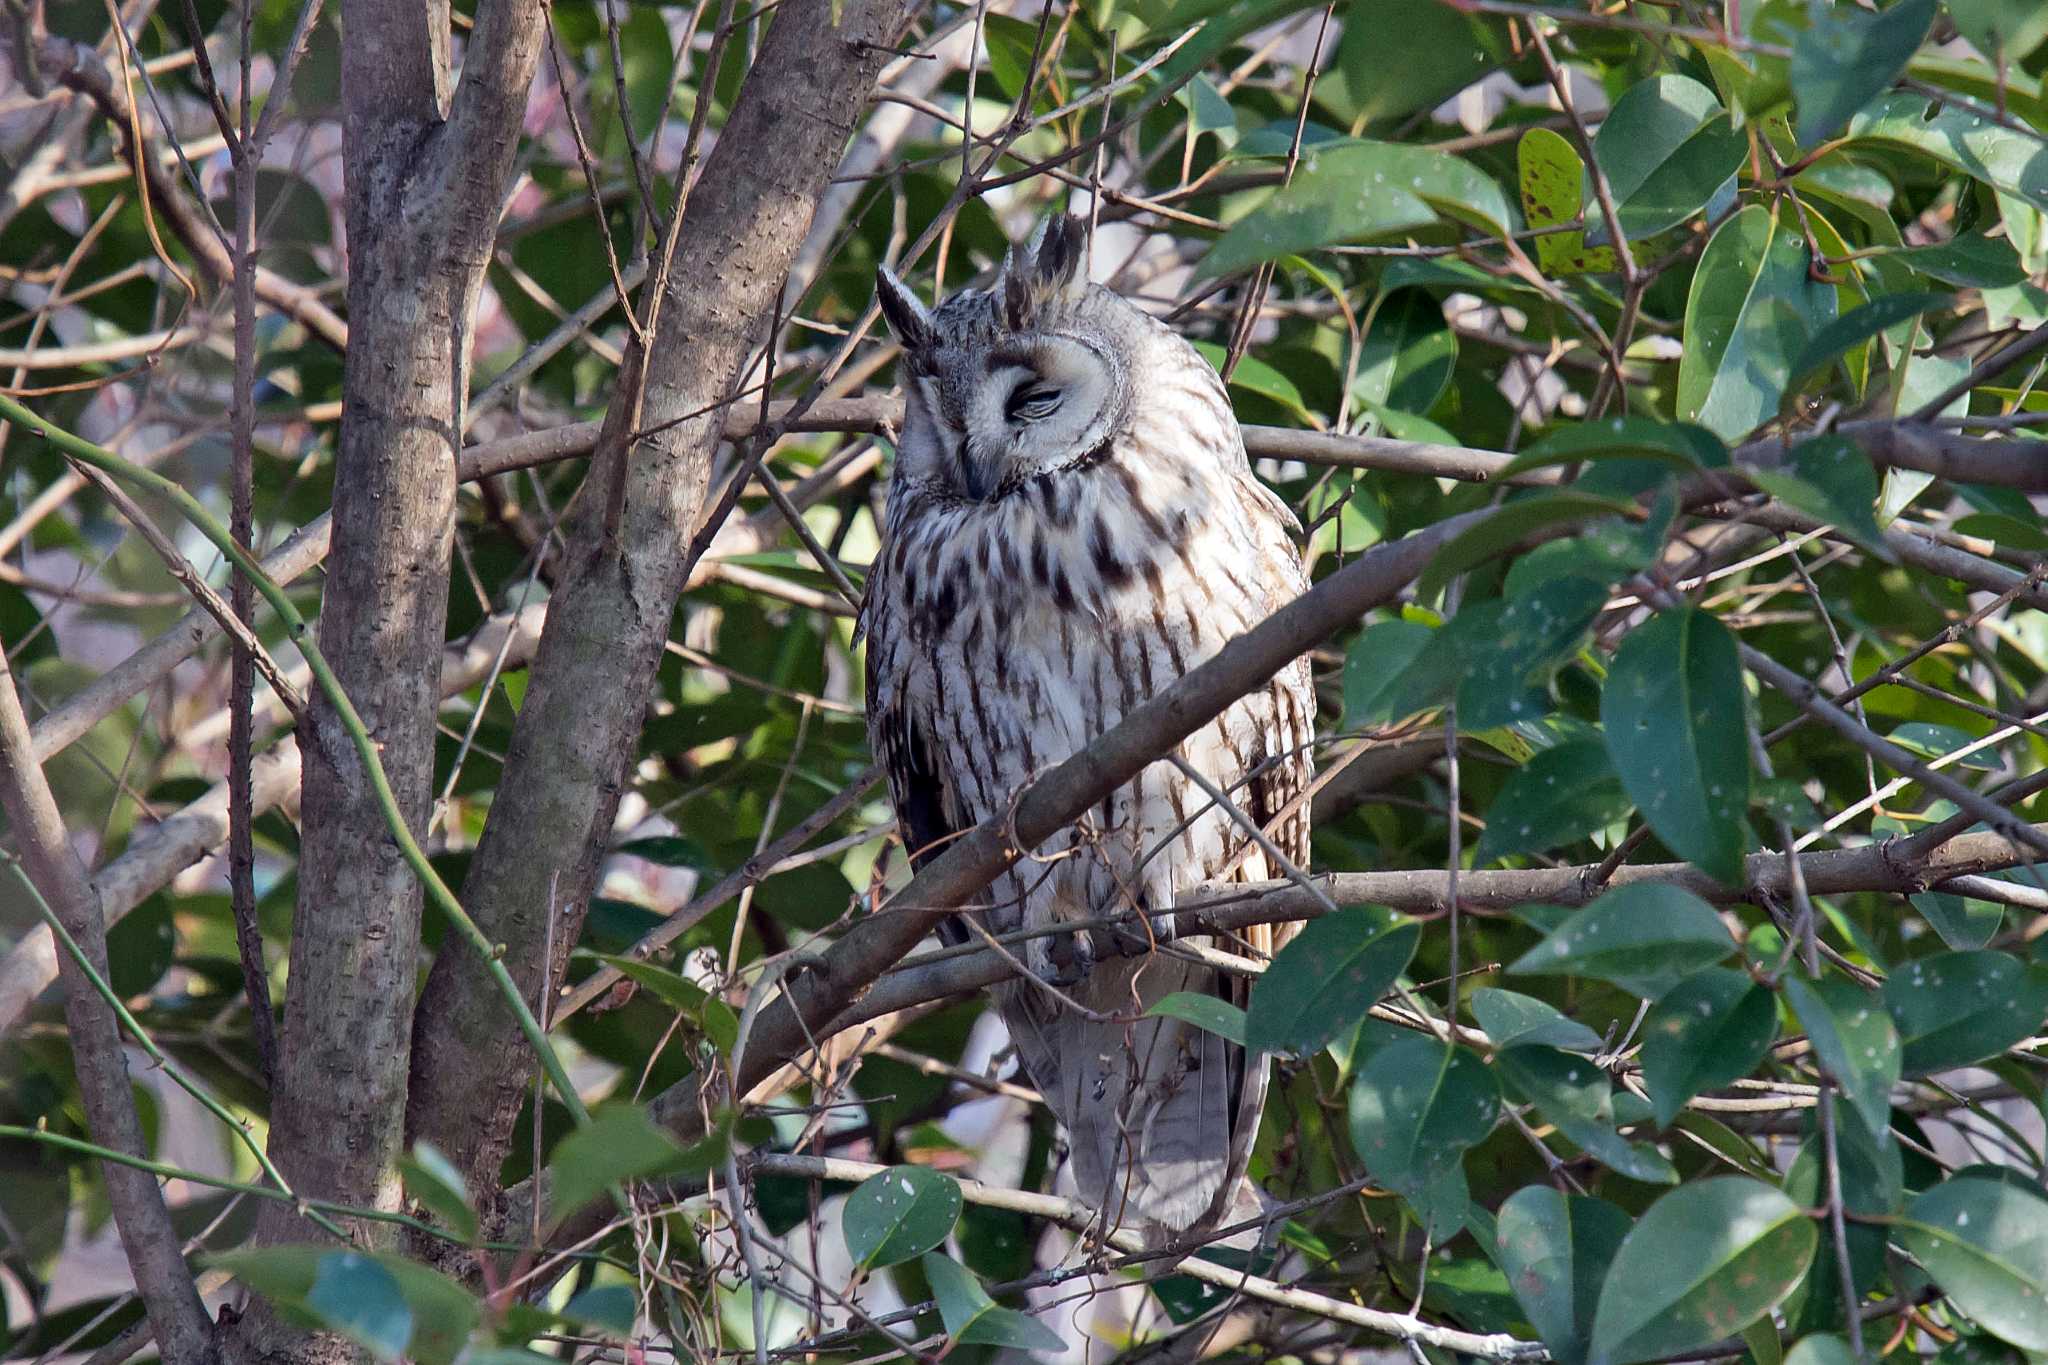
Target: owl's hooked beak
{"points": [[979, 474]]}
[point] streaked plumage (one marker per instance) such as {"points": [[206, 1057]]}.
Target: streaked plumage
{"points": [[1072, 525]]}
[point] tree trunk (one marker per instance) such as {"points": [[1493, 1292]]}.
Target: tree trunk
{"points": [[608, 621], [425, 176]]}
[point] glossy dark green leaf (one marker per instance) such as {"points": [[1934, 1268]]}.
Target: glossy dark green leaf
{"points": [[1752, 308], [1644, 937], [1408, 354], [610, 1308], [359, 1298], [1510, 1018], [1509, 526], [1962, 922], [1830, 479], [665, 985], [1555, 1249], [1933, 741], [1560, 796], [1537, 630], [1442, 52], [1854, 1041], [1969, 261], [1323, 982], [1356, 192], [1416, 1107], [2002, 30], [1821, 1348], [2005, 159], [973, 1318], [1983, 1241], [1710, 1029], [1685, 447], [1204, 1011], [1847, 57], [1672, 710], [1373, 667], [899, 1213], [1702, 1263], [1860, 324], [1668, 151], [1953, 1009], [1578, 1099], [620, 1143]]}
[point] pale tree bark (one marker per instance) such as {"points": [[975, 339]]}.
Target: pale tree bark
{"points": [[628, 559], [425, 172], [176, 1316]]}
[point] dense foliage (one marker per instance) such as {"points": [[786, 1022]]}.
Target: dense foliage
{"points": [[1675, 983]]}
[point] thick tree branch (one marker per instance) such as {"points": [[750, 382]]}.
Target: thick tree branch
{"points": [[422, 201], [151, 1242]]}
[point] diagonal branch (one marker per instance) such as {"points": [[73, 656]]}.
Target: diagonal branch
{"points": [[151, 1242]]}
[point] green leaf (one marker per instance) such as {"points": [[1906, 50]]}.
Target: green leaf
{"points": [[1672, 710], [1702, 1263], [1208, 111], [432, 1179], [1857, 325], [359, 1299], [365, 1296], [1555, 1250], [1820, 1349], [1953, 1009], [1750, 312], [1709, 1030], [1578, 1098], [1373, 667], [1408, 353], [1323, 982], [1551, 174], [903, 1212], [1204, 1011], [1686, 448], [1854, 1042], [1536, 630], [619, 1143], [665, 985], [1507, 527], [1442, 52], [2008, 161], [671, 850], [1848, 57], [610, 1308], [1831, 480], [1968, 261], [1556, 798], [1929, 740], [972, 1317], [2002, 30], [1985, 1241], [1644, 937], [1255, 376], [1961, 922], [1417, 1105], [1668, 151], [1355, 192], [1510, 1018]]}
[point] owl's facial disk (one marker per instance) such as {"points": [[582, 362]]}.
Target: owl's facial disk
{"points": [[1012, 383]]}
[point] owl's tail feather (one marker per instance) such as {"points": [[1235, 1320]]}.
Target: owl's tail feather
{"points": [[1160, 1115]]}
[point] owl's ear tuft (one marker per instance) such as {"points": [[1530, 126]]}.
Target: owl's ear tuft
{"points": [[1046, 271], [908, 318]]}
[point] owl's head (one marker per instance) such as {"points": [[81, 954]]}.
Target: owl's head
{"points": [[1027, 377]]}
